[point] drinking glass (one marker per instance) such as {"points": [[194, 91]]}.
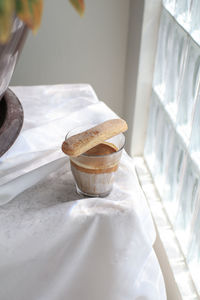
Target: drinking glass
{"points": [[94, 174]]}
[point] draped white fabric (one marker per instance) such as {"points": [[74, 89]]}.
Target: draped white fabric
{"points": [[53, 244]]}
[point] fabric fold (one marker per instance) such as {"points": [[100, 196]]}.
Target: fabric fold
{"points": [[54, 244]]}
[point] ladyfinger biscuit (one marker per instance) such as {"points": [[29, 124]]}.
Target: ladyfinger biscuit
{"points": [[82, 142]]}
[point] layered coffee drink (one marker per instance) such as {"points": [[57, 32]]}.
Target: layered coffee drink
{"points": [[94, 170], [94, 154]]}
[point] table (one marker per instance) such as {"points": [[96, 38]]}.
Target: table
{"points": [[53, 244]]}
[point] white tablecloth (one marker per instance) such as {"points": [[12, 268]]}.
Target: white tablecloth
{"points": [[53, 244]]}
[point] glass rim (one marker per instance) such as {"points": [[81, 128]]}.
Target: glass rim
{"points": [[104, 155]]}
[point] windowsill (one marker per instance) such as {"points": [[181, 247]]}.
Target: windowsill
{"points": [[173, 260]]}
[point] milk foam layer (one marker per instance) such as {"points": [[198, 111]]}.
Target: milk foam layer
{"points": [[94, 171]]}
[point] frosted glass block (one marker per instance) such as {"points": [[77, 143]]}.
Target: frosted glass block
{"points": [[194, 249], [183, 13], [187, 205], [193, 254], [195, 20], [152, 132], [189, 91], [175, 63], [170, 5], [158, 142], [164, 41], [195, 136], [163, 148], [174, 177]]}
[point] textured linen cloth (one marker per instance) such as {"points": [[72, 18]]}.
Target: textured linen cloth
{"points": [[55, 245]]}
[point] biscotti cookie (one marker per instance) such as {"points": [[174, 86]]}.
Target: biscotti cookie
{"points": [[82, 142]]}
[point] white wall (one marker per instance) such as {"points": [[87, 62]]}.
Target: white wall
{"points": [[70, 49]]}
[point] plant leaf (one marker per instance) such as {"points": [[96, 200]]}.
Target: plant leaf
{"points": [[30, 11], [6, 17], [79, 5]]}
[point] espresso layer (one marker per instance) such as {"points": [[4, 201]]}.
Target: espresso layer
{"points": [[102, 149], [98, 165]]}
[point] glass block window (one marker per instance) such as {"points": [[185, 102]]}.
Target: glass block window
{"points": [[172, 148]]}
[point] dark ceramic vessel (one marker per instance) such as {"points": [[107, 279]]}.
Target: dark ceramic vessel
{"points": [[9, 53], [11, 120], [11, 112]]}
